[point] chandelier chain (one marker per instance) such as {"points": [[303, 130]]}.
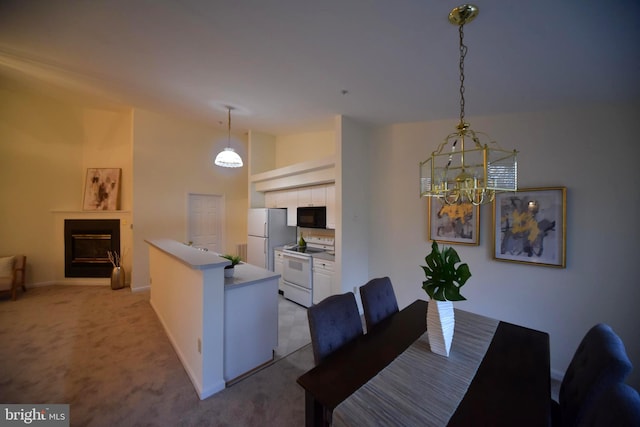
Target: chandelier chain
{"points": [[463, 54]]}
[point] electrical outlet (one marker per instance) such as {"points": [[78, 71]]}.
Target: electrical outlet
{"points": [[199, 346]]}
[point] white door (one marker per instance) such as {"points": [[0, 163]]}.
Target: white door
{"points": [[206, 219]]}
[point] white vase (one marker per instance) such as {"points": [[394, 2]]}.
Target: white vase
{"points": [[228, 271], [440, 324]]}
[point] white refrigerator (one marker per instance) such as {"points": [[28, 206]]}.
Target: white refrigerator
{"points": [[267, 229]]}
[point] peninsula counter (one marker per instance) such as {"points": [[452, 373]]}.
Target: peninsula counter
{"points": [[220, 328]]}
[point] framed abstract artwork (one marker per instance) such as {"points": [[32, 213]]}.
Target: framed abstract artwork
{"points": [[529, 226], [455, 224], [102, 189]]}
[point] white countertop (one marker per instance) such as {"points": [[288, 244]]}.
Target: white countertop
{"points": [[193, 257], [247, 274]]}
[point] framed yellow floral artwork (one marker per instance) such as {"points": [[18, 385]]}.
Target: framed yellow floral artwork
{"points": [[529, 226], [455, 224]]}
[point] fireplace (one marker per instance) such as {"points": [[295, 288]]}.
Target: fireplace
{"points": [[86, 243]]}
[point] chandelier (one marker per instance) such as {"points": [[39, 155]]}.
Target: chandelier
{"points": [[474, 173], [228, 158]]}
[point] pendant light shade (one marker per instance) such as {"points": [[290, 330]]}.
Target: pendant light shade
{"points": [[455, 173], [228, 158]]}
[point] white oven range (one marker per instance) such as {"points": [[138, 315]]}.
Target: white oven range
{"points": [[297, 270]]}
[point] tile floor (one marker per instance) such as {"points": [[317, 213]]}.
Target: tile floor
{"points": [[293, 327]]}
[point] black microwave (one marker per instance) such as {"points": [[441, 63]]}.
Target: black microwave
{"points": [[312, 217]]}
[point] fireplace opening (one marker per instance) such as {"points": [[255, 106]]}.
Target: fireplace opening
{"points": [[86, 246]]}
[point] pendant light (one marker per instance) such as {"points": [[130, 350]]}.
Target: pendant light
{"points": [[228, 158], [456, 174]]}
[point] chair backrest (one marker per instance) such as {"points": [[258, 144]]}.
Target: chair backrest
{"points": [[333, 322], [617, 406], [378, 300], [600, 362]]}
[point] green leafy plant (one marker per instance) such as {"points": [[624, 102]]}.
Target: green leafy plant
{"points": [[444, 279], [235, 259]]}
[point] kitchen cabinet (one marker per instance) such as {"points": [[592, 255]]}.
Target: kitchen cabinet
{"points": [[277, 199], [316, 195], [322, 279], [312, 196], [283, 199], [331, 206], [290, 200], [277, 266], [271, 199]]}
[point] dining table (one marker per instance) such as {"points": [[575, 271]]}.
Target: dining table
{"points": [[497, 374]]}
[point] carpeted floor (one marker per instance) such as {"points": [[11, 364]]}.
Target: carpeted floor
{"points": [[105, 353]]}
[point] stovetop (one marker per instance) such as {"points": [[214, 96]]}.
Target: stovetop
{"points": [[315, 245], [306, 250]]}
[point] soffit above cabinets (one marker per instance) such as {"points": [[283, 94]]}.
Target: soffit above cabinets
{"points": [[313, 172]]}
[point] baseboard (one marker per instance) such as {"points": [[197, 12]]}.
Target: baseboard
{"points": [[140, 289], [219, 386], [39, 284], [202, 392]]}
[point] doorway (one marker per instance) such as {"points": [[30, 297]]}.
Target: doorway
{"points": [[206, 220]]}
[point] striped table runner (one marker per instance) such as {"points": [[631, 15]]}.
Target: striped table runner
{"points": [[421, 388]]}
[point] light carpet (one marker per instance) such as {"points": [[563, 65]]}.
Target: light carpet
{"points": [[105, 353]]}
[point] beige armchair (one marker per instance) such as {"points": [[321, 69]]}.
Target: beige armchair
{"points": [[12, 272]]}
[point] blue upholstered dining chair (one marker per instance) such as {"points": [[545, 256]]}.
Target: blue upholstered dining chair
{"points": [[617, 406], [378, 300], [333, 322], [600, 362]]}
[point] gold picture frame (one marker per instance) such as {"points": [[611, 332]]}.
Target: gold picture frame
{"points": [[530, 226], [102, 189], [453, 224]]}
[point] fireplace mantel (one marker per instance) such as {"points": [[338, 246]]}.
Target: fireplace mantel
{"points": [[90, 212]]}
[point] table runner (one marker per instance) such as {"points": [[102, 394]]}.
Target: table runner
{"points": [[420, 387]]}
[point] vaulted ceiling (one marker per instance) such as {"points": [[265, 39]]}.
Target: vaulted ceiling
{"points": [[292, 65]]}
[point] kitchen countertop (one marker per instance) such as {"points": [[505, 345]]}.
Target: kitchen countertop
{"points": [[193, 257], [247, 274]]}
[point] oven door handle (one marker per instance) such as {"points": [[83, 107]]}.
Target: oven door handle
{"points": [[296, 256]]}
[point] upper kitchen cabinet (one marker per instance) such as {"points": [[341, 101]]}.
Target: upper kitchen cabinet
{"points": [[331, 206], [312, 196], [277, 199]]}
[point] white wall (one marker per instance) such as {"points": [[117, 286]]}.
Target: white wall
{"points": [[302, 147], [46, 145], [594, 153], [172, 158], [352, 204]]}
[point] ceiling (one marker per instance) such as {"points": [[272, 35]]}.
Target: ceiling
{"points": [[290, 66]]}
